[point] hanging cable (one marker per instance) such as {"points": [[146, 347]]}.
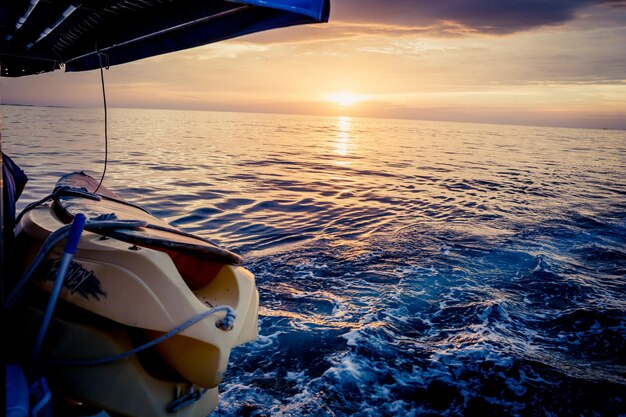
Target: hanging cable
{"points": [[106, 122]]}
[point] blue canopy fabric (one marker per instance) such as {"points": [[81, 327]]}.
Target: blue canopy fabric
{"points": [[39, 36]]}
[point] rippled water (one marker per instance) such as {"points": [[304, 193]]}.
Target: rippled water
{"points": [[405, 268]]}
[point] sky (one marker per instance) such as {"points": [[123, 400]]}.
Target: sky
{"points": [[532, 62]]}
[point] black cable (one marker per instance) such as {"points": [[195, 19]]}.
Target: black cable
{"points": [[106, 133]]}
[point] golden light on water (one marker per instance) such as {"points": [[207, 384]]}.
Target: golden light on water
{"points": [[345, 99], [342, 138]]}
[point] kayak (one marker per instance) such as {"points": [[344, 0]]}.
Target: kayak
{"points": [[133, 281]]}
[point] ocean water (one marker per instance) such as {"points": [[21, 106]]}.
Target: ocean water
{"points": [[405, 268]]}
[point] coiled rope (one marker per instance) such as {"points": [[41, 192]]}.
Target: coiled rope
{"points": [[225, 324], [100, 224]]}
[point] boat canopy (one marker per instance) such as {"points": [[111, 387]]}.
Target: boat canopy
{"points": [[39, 36]]}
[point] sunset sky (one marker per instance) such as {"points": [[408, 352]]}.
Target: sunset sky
{"points": [[538, 62]]}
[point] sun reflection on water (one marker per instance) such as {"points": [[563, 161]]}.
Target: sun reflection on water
{"points": [[343, 138]]}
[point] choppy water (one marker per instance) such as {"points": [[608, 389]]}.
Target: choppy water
{"points": [[405, 268]]}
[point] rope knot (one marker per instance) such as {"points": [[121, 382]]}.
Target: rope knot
{"points": [[228, 321]]}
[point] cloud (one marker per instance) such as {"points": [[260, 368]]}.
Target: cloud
{"points": [[477, 16], [353, 19]]}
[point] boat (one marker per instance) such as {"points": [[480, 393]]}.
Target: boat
{"points": [[131, 316], [126, 286]]}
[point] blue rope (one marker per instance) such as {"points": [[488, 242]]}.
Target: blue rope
{"points": [[54, 239], [63, 190], [225, 324], [67, 190], [71, 245], [99, 224]]}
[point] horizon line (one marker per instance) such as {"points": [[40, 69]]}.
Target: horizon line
{"points": [[319, 115]]}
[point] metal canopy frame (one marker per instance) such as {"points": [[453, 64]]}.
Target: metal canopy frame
{"points": [[39, 36]]}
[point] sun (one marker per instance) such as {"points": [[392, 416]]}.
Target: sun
{"points": [[345, 99]]}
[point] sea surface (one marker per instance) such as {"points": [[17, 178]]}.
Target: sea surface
{"points": [[405, 268]]}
